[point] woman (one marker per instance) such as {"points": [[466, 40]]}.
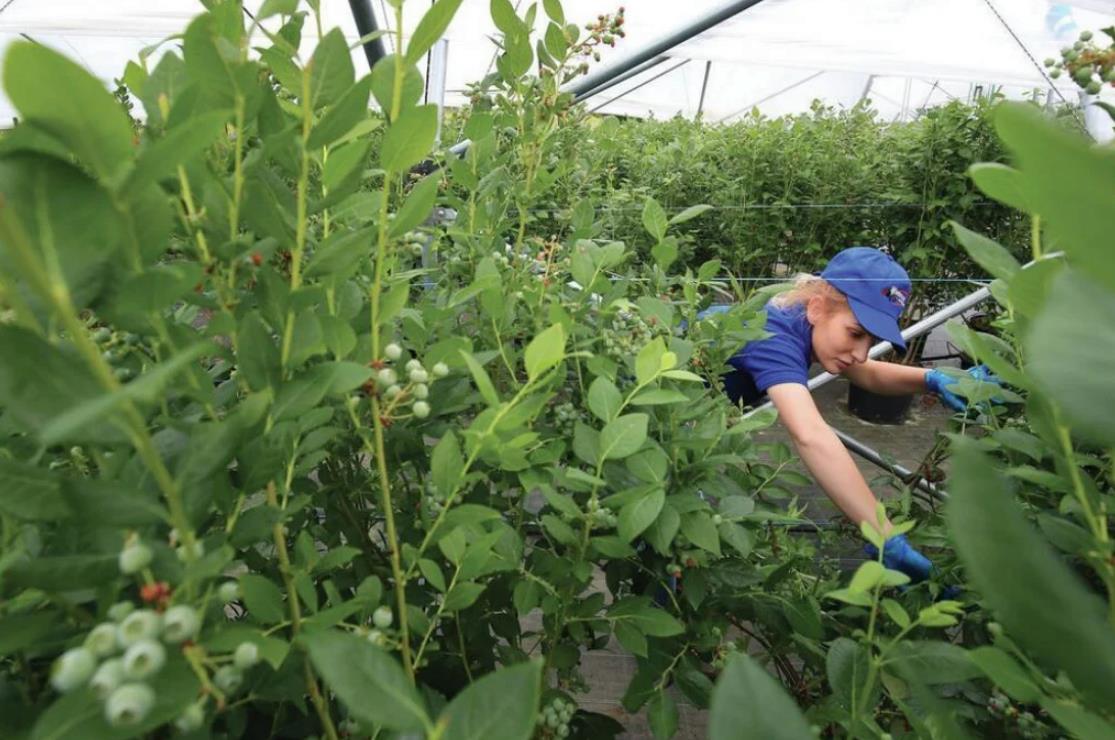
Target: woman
{"points": [[833, 320]]}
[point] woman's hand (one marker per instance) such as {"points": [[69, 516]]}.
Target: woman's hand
{"points": [[900, 555], [938, 382]]}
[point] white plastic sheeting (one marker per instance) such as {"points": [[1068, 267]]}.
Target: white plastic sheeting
{"points": [[779, 56]]}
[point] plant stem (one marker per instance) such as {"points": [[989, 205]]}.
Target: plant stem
{"points": [[301, 224]]}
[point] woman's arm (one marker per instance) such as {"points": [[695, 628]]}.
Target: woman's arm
{"points": [[887, 378], [827, 459]]}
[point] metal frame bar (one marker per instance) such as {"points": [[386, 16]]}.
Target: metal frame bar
{"points": [[589, 83], [642, 84], [620, 79], [365, 18], [704, 88]]}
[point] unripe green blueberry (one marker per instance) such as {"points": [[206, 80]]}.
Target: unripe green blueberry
{"points": [[377, 638], [413, 364], [421, 409], [180, 623], [101, 640], [563, 730], [420, 391], [392, 351], [1055, 74], [382, 617], [392, 391], [717, 519], [1093, 87], [386, 377], [228, 591], [418, 375], [139, 625], [185, 551], [1085, 35], [1050, 61], [228, 679], [134, 558], [246, 655], [1109, 75], [121, 609], [144, 659], [72, 669], [109, 675], [441, 370], [129, 704], [1083, 75], [1078, 45], [191, 719]]}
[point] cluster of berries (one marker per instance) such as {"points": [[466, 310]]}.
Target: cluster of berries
{"points": [[556, 716], [1024, 722], [602, 32], [119, 349], [413, 242], [626, 335], [1086, 63], [119, 658], [414, 389], [601, 517]]}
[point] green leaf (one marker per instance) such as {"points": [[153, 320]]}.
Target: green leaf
{"points": [[545, 351], [737, 536], [623, 436], [263, 599], [935, 661], [1073, 359], [987, 253], [145, 389], [867, 576], [480, 377], [160, 158], [228, 638], [1024, 583], [897, 614], [409, 139], [662, 715], [1067, 182], [39, 382], [383, 84], [341, 253], [632, 640], [659, 397], [503, 704], [342, 117], [431, 28], [1077, 720], [689, 214], [700, 530], [276, 7], [30, 494], [1005, 672], [554, 11], [749, 704], [331, 70], [649, 465], [75, 107], [604, 399], [654, 219], [368, 681], [61, 572], [462, 596], [1004, 184], [447, 464], [418, 205], [26, 630], [648, 618], [640, 513]]}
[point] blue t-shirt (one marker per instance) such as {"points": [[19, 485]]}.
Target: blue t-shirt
{"points": [[783, 357]]}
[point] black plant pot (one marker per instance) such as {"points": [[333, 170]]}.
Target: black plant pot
{"points": [[876, 408]]}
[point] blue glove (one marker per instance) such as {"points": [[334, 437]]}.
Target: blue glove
{"points": [[900, 555], [938, 382]]}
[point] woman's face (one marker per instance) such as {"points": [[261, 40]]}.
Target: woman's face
{"points": [[838, 339]]}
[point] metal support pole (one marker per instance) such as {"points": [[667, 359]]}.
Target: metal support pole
{"points": [[619, 80], [765, 98], [895, 469], [642, 84], [659, 47], [704, 88], [435, 82], [366, 24]]}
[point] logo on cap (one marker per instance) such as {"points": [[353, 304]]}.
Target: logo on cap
{"points": [[897, 295]]}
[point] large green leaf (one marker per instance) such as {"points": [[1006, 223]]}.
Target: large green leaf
{"points": [[748, 704], [263, 598], [62, 572], [989, 254], [1072, 353], [29, 493], [623, 436], [1071, 185], [409, 139], [351, 109], [640, 514], [1024, 583], [63, 98], [604, 399], [431, 28], [162, 157], [331, 70], [416, 208], [501, 705], [545, 351], [67, 218], [370, 683]]}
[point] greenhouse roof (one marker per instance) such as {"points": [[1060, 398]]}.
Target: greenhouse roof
{"points": [[777, 56]]}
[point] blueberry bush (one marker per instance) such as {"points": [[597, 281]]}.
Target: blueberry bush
{"points": [[310, 429]]}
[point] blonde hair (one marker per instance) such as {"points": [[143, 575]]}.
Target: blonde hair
{"points": [[806, 287]]}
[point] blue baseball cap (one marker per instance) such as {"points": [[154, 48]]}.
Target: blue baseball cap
{"points": [[877, 289]]}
